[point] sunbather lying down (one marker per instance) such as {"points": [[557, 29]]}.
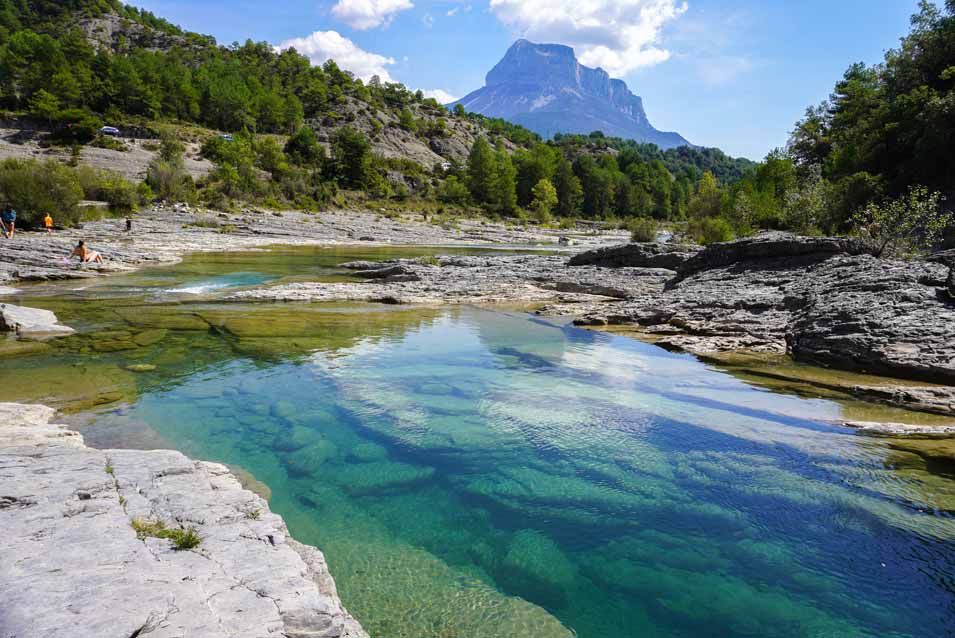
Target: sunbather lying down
{"points": [[85, 254]]}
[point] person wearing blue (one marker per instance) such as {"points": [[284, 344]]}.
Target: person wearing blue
{"points": [[9, 219]]}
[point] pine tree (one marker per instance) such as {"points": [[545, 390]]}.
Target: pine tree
{"points": [[504, 193], [481, 171], [569, 190]]}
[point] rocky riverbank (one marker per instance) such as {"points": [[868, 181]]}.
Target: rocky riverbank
{"points": [[92, 536], [163, 234], [823, 301]]}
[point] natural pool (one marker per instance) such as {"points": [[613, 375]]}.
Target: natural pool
{"points": [[472, 473]]}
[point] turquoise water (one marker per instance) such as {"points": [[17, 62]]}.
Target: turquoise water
{"points": [[475, 473], [479, 474]]}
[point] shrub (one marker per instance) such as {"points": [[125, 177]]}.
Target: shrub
{"points": [[34, 188], [642, 229], [904, 226], [709, 230], [303, 148], [76, 126], [453, 191], [109, 143], [107, 186]]}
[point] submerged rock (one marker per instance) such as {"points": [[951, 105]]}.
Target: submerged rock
{"points": [[31, 322], [68, 505], [537, 569]]}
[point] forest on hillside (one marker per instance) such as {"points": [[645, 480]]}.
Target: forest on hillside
{"points": [[884, 136]]}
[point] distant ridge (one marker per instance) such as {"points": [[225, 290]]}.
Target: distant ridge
{"points": [[545, 89]]}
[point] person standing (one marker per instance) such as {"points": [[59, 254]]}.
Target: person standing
{"points": [[129, 224], [9, 220], [48, 223]]}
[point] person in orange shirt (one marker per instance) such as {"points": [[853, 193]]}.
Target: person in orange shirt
{"points": [[48, 223]]}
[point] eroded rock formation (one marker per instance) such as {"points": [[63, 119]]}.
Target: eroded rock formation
{"points": [[73, 565]]}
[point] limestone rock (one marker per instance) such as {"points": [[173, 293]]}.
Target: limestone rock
{"points": [[638, 255], [770, 245], [877, 315], [31, 322], [74, 567]]}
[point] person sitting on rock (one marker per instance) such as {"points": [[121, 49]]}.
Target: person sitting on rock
{"points": [[48, 223], [86, 255], [8, 218]]}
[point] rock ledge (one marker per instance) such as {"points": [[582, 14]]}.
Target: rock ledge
{"points": [[73, 566]]}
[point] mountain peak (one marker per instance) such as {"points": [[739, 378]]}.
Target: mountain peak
{"points": [[544, 88]]}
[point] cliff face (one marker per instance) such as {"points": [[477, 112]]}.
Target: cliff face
{"points": [[544, 88]]}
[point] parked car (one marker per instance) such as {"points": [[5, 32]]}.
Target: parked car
{"points": [[227, 137], [112, 131]]}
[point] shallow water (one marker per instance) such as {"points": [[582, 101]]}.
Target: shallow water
{"points": [[472, 473]]}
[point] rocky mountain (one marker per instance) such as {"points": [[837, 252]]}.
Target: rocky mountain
{"points": [[545, 89]]}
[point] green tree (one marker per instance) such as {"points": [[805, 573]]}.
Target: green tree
{"points": [[544, 200], [504, 190], [708, 199], [352, 161], [35, 188], [805, 207], [45, 106], [406, 121], [303, 148], [481, 171], [569, 190]]}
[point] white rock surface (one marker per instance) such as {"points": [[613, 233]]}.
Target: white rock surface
{"points": [[72, 566], [28, 322]]}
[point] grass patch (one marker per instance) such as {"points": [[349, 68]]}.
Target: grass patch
{"points": [[182, 538], [430, 260]]}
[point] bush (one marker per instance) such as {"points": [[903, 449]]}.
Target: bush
{"points": [[109, 143], [76, 126], [905, 226], [107, 186], [453, 191], [642, 229], [709, 230], [35, 188], [170, 182], [303, 148]]}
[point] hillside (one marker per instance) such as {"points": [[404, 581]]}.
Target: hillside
{"points": [[544, 88], [248, 123]]}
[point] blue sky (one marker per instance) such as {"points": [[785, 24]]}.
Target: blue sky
{"points": [[735, 74]]}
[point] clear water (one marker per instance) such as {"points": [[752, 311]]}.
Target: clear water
{"points": [[472, 473]]}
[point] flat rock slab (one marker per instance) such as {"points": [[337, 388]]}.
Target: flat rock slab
{"points": [[73, 566], [29, 322]]}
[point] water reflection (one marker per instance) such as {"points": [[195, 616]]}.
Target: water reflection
{"points": [[473, 473]]}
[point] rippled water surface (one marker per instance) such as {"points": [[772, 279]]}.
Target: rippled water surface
{"points": [[472, 473]]}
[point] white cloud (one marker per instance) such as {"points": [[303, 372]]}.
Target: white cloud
{"points": [[453, 12], [442, 96], [427, 20], [368, 14], [331, 45], [617, 35], [715, 46]]}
